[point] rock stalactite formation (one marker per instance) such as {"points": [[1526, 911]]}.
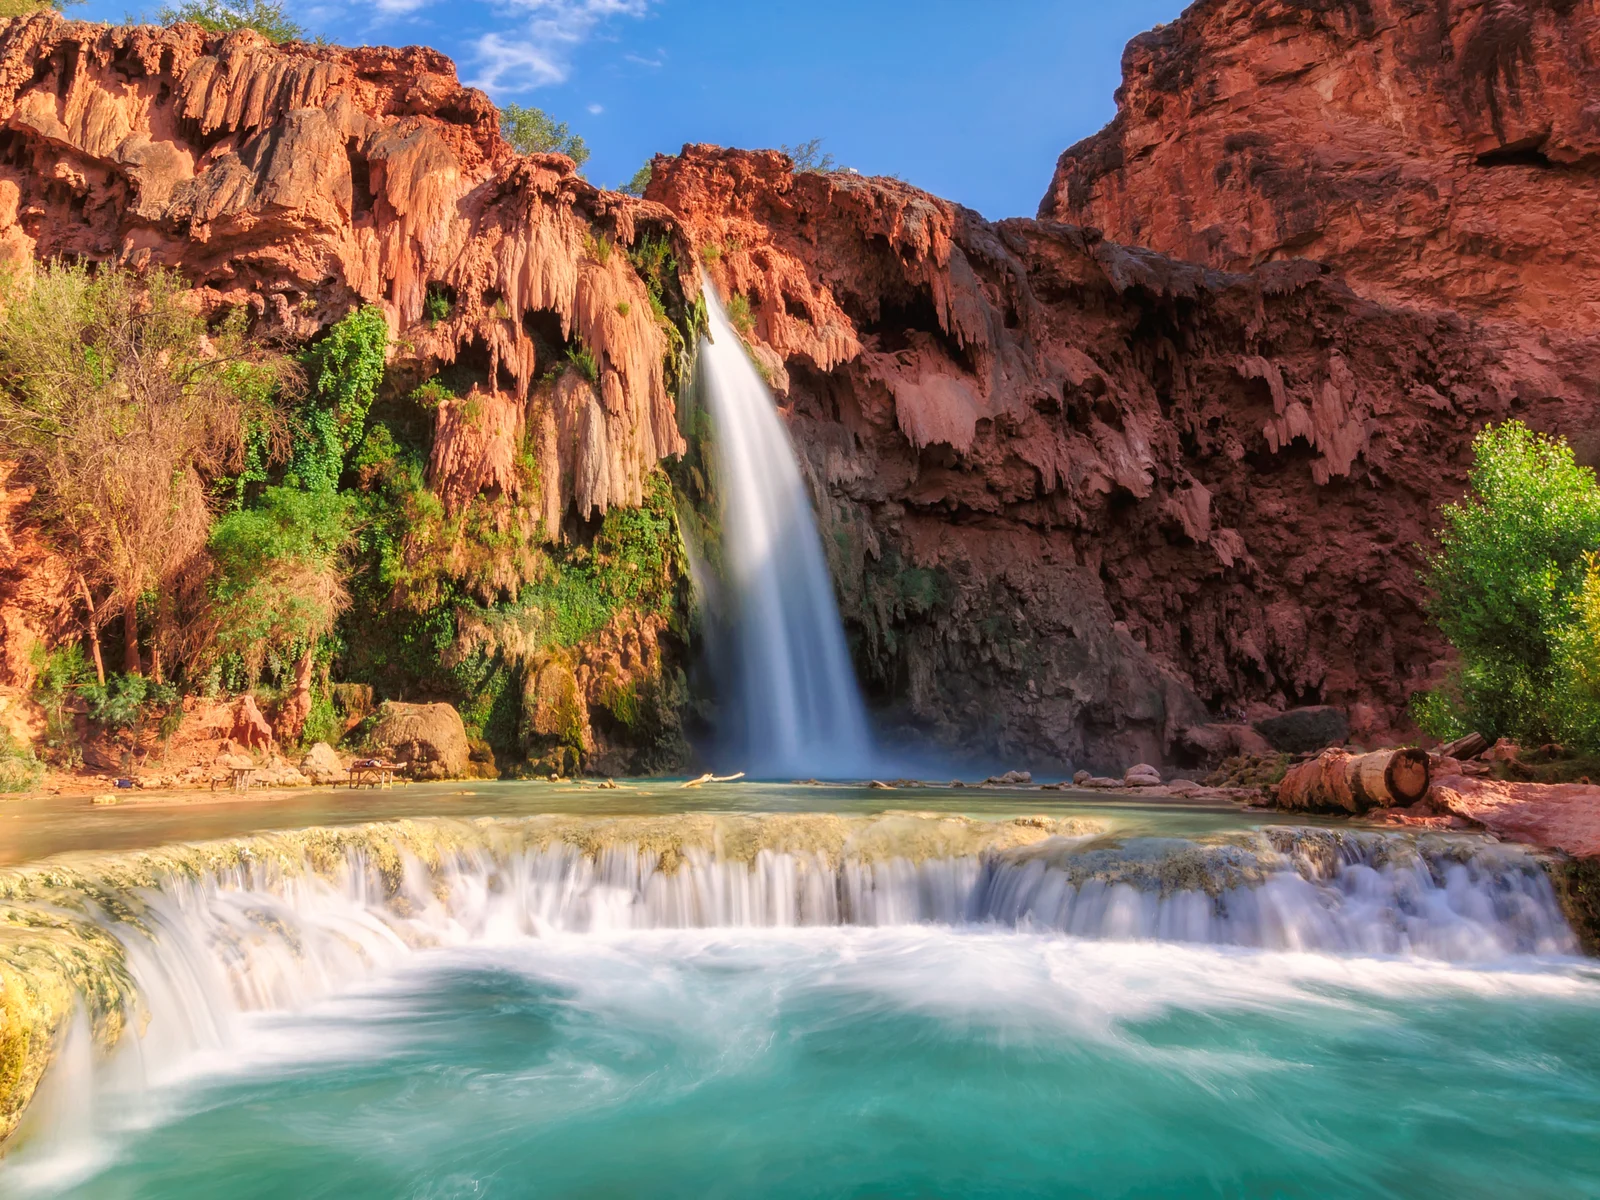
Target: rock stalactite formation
{"points": [[1079, 492], [303, 180], [1079, 496]]}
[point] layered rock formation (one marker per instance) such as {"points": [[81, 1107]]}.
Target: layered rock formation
{"points": [[1077, 495], [303, 180], [1438, 154], [1078, 492]]}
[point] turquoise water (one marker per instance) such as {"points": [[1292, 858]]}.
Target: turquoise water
{"points": [[902, 1061]]}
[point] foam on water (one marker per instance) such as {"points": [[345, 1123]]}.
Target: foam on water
{"points": [[1070, 937]]}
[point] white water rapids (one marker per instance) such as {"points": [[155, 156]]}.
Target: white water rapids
{"points": [[795, 691], [206, 949]]}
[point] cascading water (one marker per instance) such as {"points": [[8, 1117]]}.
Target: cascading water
{"points": [[223, 960], [794, 691]]}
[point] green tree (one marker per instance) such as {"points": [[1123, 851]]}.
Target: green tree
{"points": [[1506, 586], [266, 17], [531, 131], [640, 181], [121, 408], [25, 8]]}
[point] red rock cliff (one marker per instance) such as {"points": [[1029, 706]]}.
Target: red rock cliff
{"points": [[1077, 491], [1443, 153], [302, 181]]}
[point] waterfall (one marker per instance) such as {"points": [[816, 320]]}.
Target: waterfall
{"points": [[793, 690], [165, 952]]}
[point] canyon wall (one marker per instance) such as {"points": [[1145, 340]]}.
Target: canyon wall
{"points": [[1079, 493], [1079, 496], [1442, 155], [303, 181]]}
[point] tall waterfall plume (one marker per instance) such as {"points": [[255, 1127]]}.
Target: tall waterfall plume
{"points": [[793, 691]]}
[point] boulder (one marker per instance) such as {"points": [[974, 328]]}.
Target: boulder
{"points": [[1082, 777], [1011, 779], [1303, 730], [431, 737], [1142, 775], [321, 764], [250, 728], [1184, 787], [1210, 744]]}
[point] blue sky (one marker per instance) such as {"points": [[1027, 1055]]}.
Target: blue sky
{"points": [[970, 99]]}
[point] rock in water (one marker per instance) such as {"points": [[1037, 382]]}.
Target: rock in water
{"points": [[431, 737], [1303, 730], [1142, 775]]}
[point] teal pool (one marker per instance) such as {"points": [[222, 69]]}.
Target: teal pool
{"points": [[880, 1062]]}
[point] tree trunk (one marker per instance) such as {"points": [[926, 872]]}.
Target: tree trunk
{"points": [[94, 630], [157, 636], [1337, 780], [130, 633]]}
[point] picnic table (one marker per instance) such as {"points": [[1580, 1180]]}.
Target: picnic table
{"points": [[239, 778], [373, 773]]}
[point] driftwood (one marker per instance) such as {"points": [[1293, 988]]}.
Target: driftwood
{"points": [[1338, 780], [710, 778]]}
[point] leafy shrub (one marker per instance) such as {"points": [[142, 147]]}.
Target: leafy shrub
{"points": [[531, 131], [583, 358], [266, 17], [808, 158], [436, 305], [1513, 588], [623, 308], [640, 181], [62, 673], [739, 314], [128, 702], [597, 247], [280, 582], [347, 368], [20, 769], [711, 252]]}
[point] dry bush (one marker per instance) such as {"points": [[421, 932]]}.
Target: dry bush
{"points": [[122, 408]]}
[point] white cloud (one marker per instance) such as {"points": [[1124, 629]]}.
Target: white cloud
{"points": [[555, 28], [514, 66], [596, 109]]}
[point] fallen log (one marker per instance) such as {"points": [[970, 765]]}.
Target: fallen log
{"points": [[1464, 748], [1337, 780]]}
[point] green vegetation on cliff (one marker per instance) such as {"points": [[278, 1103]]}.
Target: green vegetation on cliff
{"points": [[266, 17], [532, 131], [239, 518]]}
